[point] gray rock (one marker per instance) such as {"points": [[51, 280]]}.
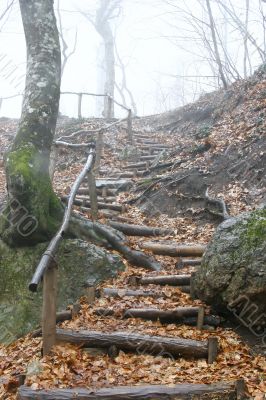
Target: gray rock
{"points": [[232, 277], [78, 262]]}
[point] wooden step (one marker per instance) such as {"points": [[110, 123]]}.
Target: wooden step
{"points": [[117, 292], [87, 204], [102, 192], [208, 320], [172, 280], [140, 230], [164, 249], [142, 344], [136, 165], [185, 391]]}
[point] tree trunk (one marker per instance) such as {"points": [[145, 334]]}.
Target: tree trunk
{"points": [[33, 209], [104, 29]]}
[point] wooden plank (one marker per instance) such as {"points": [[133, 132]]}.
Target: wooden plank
{"points": [[218, 391]]}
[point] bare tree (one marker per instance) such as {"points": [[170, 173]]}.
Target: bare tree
{"points": [[215, 45], [123, 89], [107, 11], [66, 52]]}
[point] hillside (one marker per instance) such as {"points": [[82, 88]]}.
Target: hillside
{"points": [[217, 143]]}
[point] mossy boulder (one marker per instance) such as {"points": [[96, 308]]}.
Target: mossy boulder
{"points": [[232, 277], [78, 261]]}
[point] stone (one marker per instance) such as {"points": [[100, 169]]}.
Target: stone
{"points": [[78, 261], [232, 277]]}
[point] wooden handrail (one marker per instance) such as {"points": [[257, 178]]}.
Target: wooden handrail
{"points": [[48, 257]]}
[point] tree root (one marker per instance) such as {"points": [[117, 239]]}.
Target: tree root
{"points": [[108, 237], [220, 203]]}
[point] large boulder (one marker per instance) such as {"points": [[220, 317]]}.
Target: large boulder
{"points": [[232, 277], [77, 260]]}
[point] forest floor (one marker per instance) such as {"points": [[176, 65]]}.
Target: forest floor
{"points": [[216, 143]]}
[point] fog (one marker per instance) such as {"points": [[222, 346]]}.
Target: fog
{"points": [[166, 64]]}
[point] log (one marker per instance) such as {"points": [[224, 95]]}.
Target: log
{"points": [[141, 344], [185, 263], [136, 165], [174, 251], [87, 204], [209, 320], [60, 317], [147, 158], [100, 199], [173, 280], [169, 316], [111, 292], [135, 257], [217, 391], [139, 230], [109, 192], [100, 234]]}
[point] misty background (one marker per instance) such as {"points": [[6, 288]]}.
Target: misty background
{"points": [[163, 46]]}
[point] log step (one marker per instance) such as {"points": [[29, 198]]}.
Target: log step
{"points": [[217, 391], [87, 204], [172, 280], [106, 191], [147, 158], [136, 165], [141, 344], [209, 320], [114, 292], [139, 230], [174, 250]]}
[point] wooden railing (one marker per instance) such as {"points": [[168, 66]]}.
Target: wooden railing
{"points": [[47, 267], [111, 102]]}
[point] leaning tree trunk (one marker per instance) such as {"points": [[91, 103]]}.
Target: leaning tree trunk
{"points": [[33, 209]]}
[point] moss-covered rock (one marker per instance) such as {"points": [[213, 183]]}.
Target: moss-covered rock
{"points": [[232, 276], [78, 261]]}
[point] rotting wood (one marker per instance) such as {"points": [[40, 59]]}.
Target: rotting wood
{"points": [[141, 344], [140, 230], [172, 280], [189, 391], [174, 251]]}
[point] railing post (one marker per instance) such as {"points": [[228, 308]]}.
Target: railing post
{"points": [[49, 308], [79, 106], [93, 195], [129, 127], [99, 150]]}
